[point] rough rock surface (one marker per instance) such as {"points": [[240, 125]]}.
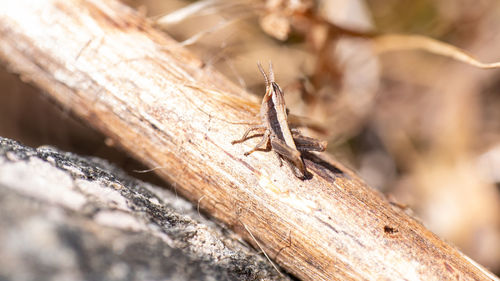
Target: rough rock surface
{"points": [[67, 217]]}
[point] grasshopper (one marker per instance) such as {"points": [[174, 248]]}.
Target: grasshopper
{"points": [[285, 142]]}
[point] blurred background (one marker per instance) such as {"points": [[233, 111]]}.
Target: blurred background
{"points": [[421, 128]]}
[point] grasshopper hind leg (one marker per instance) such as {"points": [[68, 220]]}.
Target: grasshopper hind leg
{"points": [[291, 156]]}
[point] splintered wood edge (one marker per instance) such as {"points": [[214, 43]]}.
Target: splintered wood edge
{"points": [[164, 106]]}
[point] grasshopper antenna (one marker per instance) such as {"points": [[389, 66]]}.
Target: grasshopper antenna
{"points": [[271, 72], [268, 83], [263, 73]]}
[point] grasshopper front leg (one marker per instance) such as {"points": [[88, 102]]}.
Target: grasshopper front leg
{"points": [[245, 135], [264, 140]]}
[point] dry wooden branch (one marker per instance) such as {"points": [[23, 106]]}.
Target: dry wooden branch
{"points": [[104, 61]]}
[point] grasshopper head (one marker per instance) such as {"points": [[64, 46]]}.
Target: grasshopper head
{"points": [[269, 80]]}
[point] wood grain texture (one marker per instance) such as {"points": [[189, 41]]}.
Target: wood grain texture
{"points": [[104, 62]]}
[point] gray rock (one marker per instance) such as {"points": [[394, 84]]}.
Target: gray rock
{"points": [[67, 217]]}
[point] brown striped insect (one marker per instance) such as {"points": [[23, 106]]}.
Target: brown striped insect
{"points": [[277, 136]]}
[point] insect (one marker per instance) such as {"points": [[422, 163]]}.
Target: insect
{"points": [[285, 142]]}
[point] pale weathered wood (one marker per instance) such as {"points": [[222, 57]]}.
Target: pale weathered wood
{"points": [[105, 63]]}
